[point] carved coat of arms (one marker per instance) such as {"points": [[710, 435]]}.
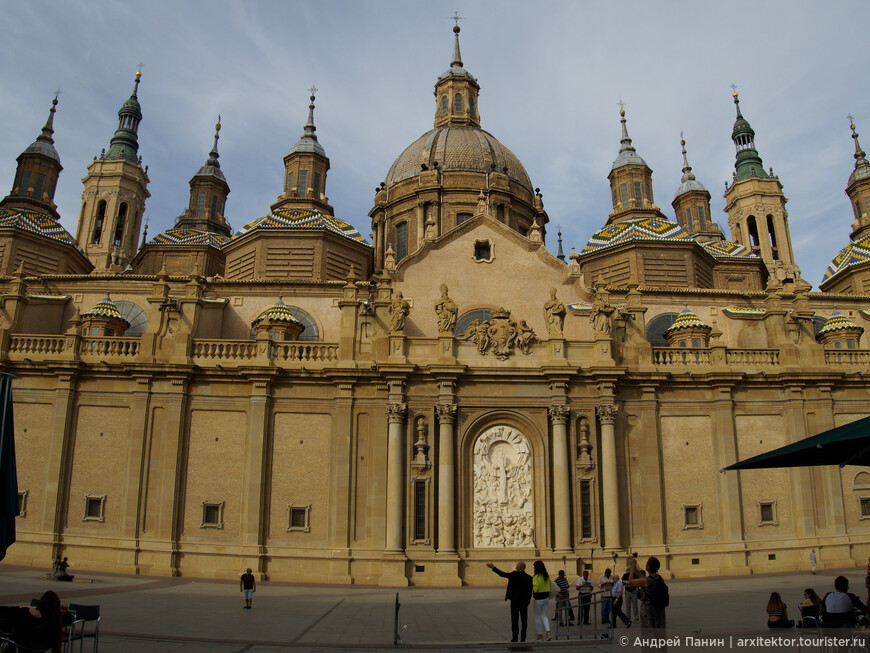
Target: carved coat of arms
{"points": [[500, 333]]}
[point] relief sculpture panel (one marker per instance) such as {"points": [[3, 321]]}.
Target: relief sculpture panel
{"points": [[503, 506]]}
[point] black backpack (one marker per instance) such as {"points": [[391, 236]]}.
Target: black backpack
{"points": [[660, 598]]}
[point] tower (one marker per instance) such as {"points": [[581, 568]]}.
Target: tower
{"points": [[692, 205], [305, 168], [858, 189], [37, 173], [208, 195], [756, 205], [113, 199], [630, 182], [456, 93]]}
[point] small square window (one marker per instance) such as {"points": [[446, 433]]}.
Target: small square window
{"points": [[767, 513], [95, 508], [299, 518], [483, 251], [212, 515], [864, 505], [692, 516], [22, 503]]}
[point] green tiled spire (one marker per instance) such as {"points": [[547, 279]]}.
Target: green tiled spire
{"points": [[125, 144], [748, 163]]}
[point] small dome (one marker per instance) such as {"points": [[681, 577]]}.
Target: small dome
{"points": [[687, 320], [106, 309], [839, 322], [38, 223], [855, 253], [277, 313], [302, 220], [643, 229], [458, 148], [308, 145], [727, 249], [44, 148], [690, 185], [628, 157], [180, 237]]}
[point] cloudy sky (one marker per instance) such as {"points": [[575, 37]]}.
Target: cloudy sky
{"points": [[551, 74]]}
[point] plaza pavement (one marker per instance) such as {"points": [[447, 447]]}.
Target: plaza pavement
{"points": [[163, 615]]}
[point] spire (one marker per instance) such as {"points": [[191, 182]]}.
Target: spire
{"points": [[48, 130], [456, 91], [125, 143], [748, 163], [687, 169], [561, 254], [627, 153], [860, 156], [308, 141], [626, 140], [457, 57], [213, 155]]}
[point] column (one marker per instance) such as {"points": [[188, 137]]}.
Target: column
{"points": [[446, 478], [609, 479], [395, 517], [255, 466], [561, 478], [58, 459]]}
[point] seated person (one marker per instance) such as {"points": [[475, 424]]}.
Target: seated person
{"points": [[60, 571], [840, 607], [38, 628], [811, 607], [777, 613]]}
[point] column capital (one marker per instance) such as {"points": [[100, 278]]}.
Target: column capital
{"points": [[606, 413], [559, 413], [446, 413], [396, 412]]}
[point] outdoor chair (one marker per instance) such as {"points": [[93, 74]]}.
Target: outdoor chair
{"points": [[86, 614], [8, 645]]}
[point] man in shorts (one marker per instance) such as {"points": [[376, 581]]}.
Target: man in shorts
{"points": [[248, 585]]}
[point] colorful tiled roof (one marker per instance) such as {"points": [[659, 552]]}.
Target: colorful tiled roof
{"points": [[839, 322], [687, 320], [38, 223], [855, 253], [277, 313], [106, 308], [180, 237], [304, 220], [728, 249], [646, 229]]}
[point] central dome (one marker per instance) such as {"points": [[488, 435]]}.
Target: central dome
{"points": [[458, 149]]}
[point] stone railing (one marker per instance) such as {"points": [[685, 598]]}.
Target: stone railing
{"points": [[308, 352], [847, 357], [111, 347], [681, 357], [248, 352], [224, 350], [34, 345], [742, 358], [752, 357]]}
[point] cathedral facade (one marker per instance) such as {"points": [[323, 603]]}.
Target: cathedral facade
{"points": [[295, 399]]}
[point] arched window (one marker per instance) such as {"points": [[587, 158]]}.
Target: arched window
{"points": [[471, 107], [443, 105], [98, 223], [137, 318], [656, 327], [772, 233], [457, 102], [119, 224], [401, 241], [752, 228], [690, 226], [479, 314], [702, 219], [462, 217], [310, 333]]}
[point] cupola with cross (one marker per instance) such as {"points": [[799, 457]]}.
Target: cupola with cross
{"points": [[456, 92], [692, 205], [305, 168], [630, 182], [208, 195], [115, 190], [37, 173], [756, 205], [858, 189]]}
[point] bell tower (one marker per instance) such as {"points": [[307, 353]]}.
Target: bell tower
{"points": [[858, 189], [456, 92], [113, 199], [755, 205], [208, 195]]}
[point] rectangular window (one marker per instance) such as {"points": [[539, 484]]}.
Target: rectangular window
{"points": [[317, 185], [623, 191], [212, 515], [419, 510], [638, 194], [864, 503], [649, 192], [289, 182], [302, 186], [25, 182], [462, 217], [40, 184], [702, 218], [213, 206], [401, 241], [95, 507], [866, 199], [689, 224], [767, 513], [613, 192], [692, 517], [586, 509], [299, 518], [200, 205]]}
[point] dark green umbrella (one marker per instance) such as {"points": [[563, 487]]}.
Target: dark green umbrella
{"points": [[844, 445], [8, 475]]}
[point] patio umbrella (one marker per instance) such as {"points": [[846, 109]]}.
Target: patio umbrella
{"points": [[844, 445], [8, 475]]}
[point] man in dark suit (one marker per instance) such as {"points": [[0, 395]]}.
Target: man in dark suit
{"points": [[519, 593]]}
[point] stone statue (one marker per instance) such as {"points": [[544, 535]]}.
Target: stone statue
{"points": [[555, 311], [399, 309], [431, 231], [503, 514], [389, 259], [600, 314], [446, 311], [526, 337], [481, 203]]}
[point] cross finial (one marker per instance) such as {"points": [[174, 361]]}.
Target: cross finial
{"points": [[851, 118], [57, 92], [733, 88], [456, 17], [620, 104], [140, 67], [313, 88]]}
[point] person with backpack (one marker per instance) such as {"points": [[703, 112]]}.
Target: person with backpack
{"points": [[655, 597]]}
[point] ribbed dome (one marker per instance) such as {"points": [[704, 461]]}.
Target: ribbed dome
{"points": [[457, 149]]}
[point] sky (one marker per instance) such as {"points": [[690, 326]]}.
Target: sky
{"points": [[551, 74]]}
